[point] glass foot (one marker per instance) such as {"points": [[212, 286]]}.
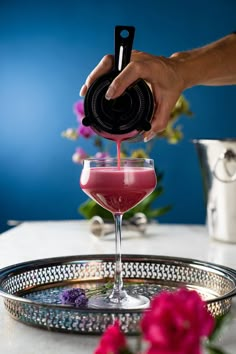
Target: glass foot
{"points": [[129, 302]]}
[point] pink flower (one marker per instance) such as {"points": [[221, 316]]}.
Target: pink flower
{"points": [[86, 132], [79, 155], [78, 110], [176, 322], [112, 340], [101, 155]]}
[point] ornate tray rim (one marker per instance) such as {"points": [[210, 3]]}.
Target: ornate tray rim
{"points": [[18, 268]]}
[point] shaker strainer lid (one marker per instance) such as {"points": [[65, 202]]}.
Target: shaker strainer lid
{"points": [[133, 109]]}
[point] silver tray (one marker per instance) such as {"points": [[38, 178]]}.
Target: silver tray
{"points": [[31, 289]]}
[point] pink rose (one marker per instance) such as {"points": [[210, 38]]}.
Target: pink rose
{"points": [[112, 340], [176, 322]]}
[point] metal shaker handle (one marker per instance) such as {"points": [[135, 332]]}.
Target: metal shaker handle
{"points": [[100, 227], [226, 156]]}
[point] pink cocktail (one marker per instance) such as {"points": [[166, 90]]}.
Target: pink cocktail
{"points": [[118, 189]]}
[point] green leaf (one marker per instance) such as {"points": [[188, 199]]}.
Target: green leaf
{"points": [[90, 208], [211, 349], [98, 142], [159, 176], [125, 350], [220, 322], [155, 213]]}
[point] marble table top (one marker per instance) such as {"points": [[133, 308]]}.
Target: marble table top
{"points": [[36, 240]]}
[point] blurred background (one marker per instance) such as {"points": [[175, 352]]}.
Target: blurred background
{"points": [[47, 48]]}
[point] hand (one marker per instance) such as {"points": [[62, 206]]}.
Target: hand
{"points": [[160, 73], [213, 64]]}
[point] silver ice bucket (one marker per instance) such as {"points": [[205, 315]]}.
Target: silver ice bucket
{"points": [[218, 167]]}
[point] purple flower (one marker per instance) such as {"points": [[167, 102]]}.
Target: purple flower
{"points": [[86, 132], [101, 155], [78, 109], [81, 301], [76, 297], [79, 155]]}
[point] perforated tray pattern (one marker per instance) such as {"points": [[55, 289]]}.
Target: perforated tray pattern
{"points": [[31, 290]]}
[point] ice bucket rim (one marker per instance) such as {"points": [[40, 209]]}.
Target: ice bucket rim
{"points": [[211, 140]]}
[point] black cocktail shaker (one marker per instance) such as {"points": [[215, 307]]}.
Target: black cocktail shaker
{"points": [[127, 116]]}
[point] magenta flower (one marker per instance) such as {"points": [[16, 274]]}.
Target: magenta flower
{"points": [[86, 132], [101, 155], [78, 110], [176, 322], [112, 341], [79, 155]]}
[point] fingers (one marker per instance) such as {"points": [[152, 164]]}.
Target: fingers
{"points": [[104, 66], [165, 103], [159, 72], [132, 72], [160, 118], [159, 122]]}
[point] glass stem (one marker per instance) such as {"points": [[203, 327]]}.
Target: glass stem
{"points": [[118, 294]]}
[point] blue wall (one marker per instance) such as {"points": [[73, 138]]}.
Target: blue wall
{"points": [[47, 48]]}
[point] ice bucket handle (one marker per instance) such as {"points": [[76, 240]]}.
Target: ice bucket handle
{"points": [[226, 156]]}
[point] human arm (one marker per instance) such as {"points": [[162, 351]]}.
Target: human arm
{"points": [[213, 64]]}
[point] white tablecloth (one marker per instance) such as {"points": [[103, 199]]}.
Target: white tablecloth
{"points": [[35, 240]]}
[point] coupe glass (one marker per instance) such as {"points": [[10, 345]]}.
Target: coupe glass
{"points": [[118, 185]]}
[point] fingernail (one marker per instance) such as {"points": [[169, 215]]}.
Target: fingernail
{"points": [[110, 92], [149, 136], [83, 90]]}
